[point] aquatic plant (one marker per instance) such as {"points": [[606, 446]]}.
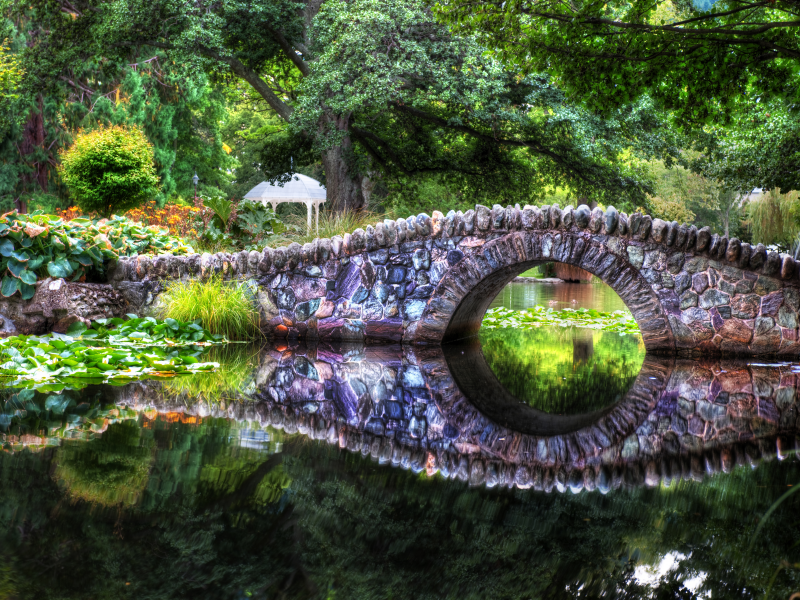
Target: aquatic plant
{"points": [[37, 245], [618, 321], [222, 307], [112, 350]]}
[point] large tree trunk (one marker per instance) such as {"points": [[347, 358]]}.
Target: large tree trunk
{"points": [[343, 186], [32, 141]]}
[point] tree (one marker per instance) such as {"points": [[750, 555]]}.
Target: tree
{"points": [[692, 57], [110, 168], [368, 89]]}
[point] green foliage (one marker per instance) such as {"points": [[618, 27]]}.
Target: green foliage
{"points": [[10, 72], [222, 208], [232, 379], [223, 307], [562, 371], [36, 246], [243, 225], [775, 218], [430, 102], [691, 58], [688, 196], [112, 350], [434, 102], [110, 169], [110, 471], [619, 321]]}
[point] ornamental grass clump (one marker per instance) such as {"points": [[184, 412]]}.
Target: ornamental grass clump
{"points": [[222, 307]]}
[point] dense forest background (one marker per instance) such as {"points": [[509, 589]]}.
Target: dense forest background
{"points": [[401, 107]]}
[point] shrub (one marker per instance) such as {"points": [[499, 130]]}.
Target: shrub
{"points": [[110, 169], [35, 246], [226, 308]]}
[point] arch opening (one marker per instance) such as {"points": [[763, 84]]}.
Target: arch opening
{"points": [[466, 290]]}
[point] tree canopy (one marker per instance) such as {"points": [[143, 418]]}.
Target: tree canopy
{"points": [[369, 89], [695, 57]]}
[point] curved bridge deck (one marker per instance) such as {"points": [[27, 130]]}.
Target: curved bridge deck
{"points": [[428, 280]]}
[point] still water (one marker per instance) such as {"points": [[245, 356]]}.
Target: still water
{"points": [[560, 464]]}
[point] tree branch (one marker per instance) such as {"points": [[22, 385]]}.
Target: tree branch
{"points": [[239, 68], [298, 61]]}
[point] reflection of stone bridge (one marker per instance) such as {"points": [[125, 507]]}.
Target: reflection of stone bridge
{"points": [[430, 279], [420, 409]]}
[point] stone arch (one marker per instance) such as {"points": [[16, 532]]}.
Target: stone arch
{"points": [[466, 289]]}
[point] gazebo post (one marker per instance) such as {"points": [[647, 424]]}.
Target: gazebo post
{"points": [[308, 207], [317, 205]]}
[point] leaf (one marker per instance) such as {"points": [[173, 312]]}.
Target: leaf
{"points": [[28, 277], [27, 291], [59, 268], [6, 247], [84, 259], [16, 267], [76, 329], [9, 286]]}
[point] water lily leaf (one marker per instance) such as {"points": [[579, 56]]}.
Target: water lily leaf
{"points": [[9, 286], [76, 329]]}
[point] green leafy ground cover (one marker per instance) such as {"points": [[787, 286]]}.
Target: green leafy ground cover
{"points": [[36, 246], [112, 351], [618, 321]]}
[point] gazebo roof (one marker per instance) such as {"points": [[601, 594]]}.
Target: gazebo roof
{"points": [[299, 189]]}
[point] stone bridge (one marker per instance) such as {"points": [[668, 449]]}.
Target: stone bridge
{"points": [[429, 280], [421, 409]]}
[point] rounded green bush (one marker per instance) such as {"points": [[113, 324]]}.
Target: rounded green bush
{"points": [[110, 169]]}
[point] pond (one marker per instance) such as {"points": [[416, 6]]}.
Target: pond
{"points": [[543, 463]]}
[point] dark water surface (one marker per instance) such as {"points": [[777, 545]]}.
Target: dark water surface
{"points": [[552, 463]]}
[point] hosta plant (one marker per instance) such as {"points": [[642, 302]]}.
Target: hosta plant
{"points": [[35, 246]]}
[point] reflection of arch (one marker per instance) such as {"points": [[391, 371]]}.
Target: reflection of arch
{"points": [[476, 382], [466, 289]]}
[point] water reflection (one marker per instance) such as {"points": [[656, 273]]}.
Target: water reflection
{"points": [[563, 370], [446, 412], [522, 295], [275, 488]]}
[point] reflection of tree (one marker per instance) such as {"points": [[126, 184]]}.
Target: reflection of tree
{"points": [[206, 528], [563, 371], [582, 346]]}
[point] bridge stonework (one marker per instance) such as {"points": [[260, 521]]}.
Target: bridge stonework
{"points": [[428, 280]]}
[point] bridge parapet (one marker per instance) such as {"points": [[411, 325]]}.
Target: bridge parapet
{"points": [[425, 280]]}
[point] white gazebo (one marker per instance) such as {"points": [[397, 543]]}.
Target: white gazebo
{"points": [[300, 189]]}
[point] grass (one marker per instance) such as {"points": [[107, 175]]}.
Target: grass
{"points": [[331, 224], [225, 308]]}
